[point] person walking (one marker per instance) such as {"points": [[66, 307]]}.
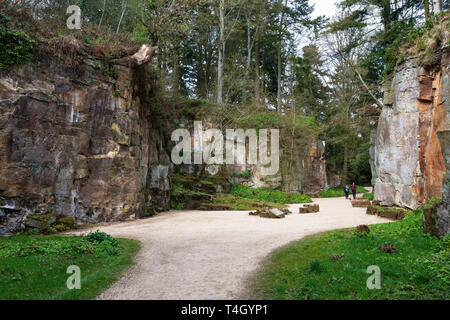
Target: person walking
{"points": [[354, 190], [347, 191]]}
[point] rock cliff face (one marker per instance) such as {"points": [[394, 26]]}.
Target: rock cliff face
{"points": [[81, 144], [436, 220], [407, 158], [89, 144], [307, 173]]}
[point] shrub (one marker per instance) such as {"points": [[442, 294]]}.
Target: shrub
{"points": [[16, 45], [246, 175], [104, 243], [369, 196], [98, 237]]}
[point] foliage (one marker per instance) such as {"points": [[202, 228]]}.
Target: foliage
{"points": [[105, 242], [35, 267], [369, 196], [269, 195], [333, 265], [246, 175], [16, 45]]}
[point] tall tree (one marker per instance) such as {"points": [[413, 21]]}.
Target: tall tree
{"points": [[221, 51]]}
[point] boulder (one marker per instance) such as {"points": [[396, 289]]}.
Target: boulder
{"points": [[269, 213], [393, 213], [361, 203], [309, 208], [44, 222]]}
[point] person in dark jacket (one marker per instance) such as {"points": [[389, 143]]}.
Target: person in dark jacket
{"points": [[347, 191], [354, 190]]}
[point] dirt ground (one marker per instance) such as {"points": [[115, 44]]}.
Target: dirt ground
{"points": [[199, 255]]}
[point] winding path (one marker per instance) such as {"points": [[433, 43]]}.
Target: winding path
{"points": [[210, 255]]}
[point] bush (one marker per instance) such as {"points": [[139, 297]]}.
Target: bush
{"points": [[16, 45], [104, 242], [98, 237], [369, 196], [246, 175]]}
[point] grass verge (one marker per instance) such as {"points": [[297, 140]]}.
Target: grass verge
{"points": [[339, 192], [34, 267], [333, 265], [243, 204], [267, 195]]}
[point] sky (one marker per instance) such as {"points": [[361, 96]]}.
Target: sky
{"points": [[324, 8], [321, 8]]}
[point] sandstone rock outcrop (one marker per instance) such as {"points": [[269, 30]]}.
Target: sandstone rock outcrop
{"points": [[309, 208], [436, 220], [307, 174], [78, 143], [407, 158]]}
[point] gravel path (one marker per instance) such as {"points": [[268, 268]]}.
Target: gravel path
{"points": [[210, 255]]}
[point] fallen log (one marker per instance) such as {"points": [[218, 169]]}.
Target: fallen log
{"points": [[139, 59]]}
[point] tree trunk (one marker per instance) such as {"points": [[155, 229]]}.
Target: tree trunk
{"points": [[221, 53], [257, 73], [437, 6], [280, 41], [103, 13], [427, 10], [124, 7], [176, 71], [139, 59], [387, 15], [249, 48], [249, 61], [345, 168]]}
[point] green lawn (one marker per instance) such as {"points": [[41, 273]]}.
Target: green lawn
{"points": [[243, 204], [339, 192], [333, 265], [34, 267], [269, 195]]}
